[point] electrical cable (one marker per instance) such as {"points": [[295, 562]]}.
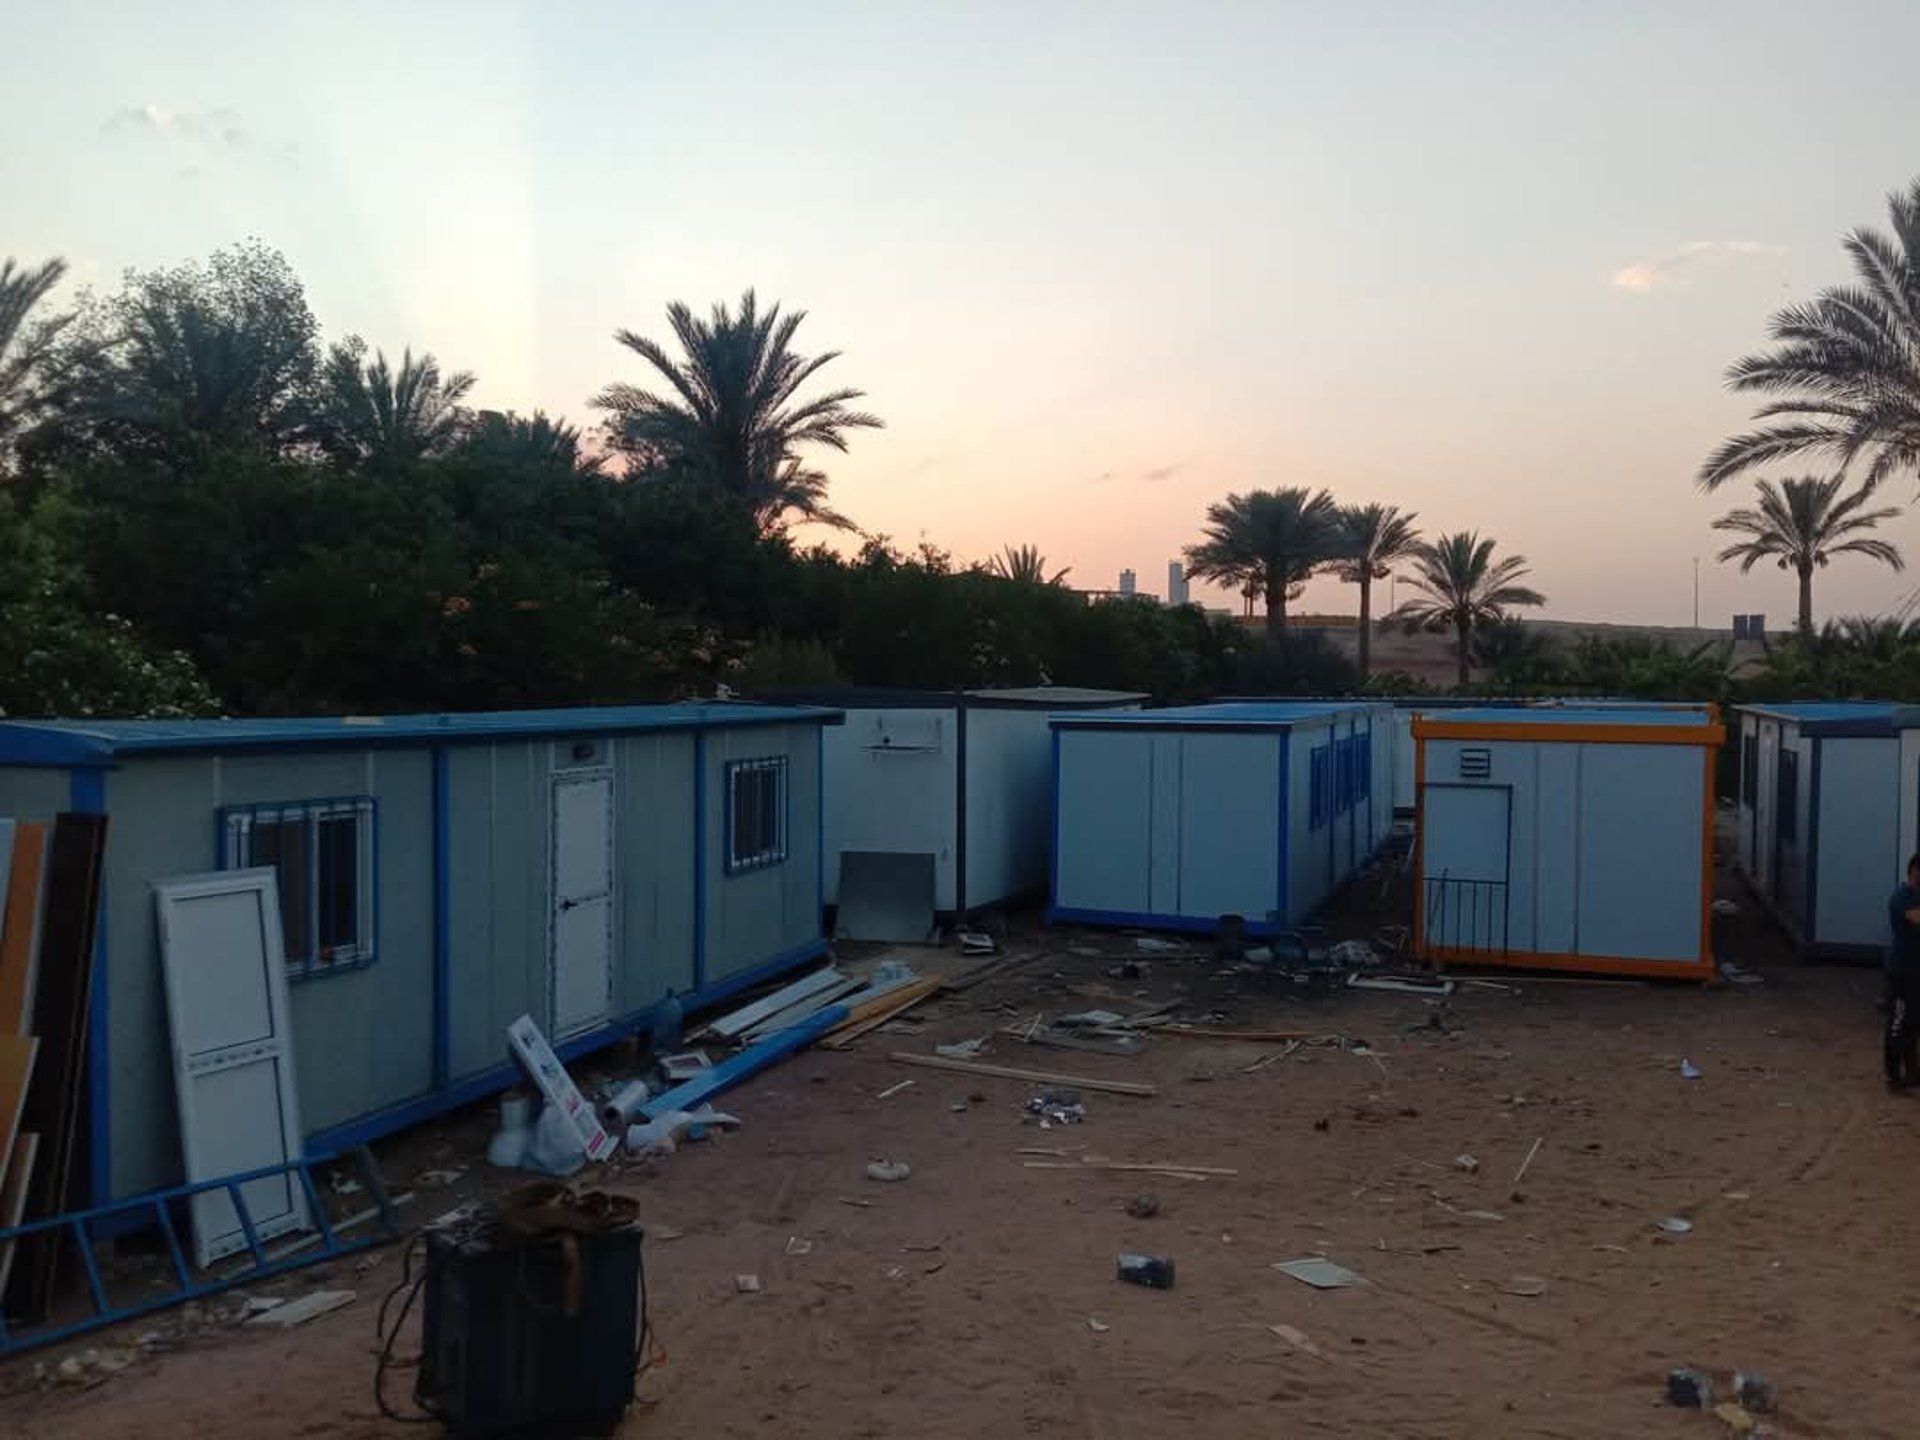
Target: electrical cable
{"points": [[412, 1284]]}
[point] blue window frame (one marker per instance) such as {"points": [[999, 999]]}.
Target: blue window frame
{"points": [[756, 813], [323, 852], [1320, 786]]}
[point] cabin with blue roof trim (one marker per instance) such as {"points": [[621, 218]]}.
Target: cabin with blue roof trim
{"points": [[439, 876], [1828, 813], [1176, 818]]}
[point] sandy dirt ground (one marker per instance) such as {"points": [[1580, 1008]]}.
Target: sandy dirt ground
{"points": [[979, 1299]]}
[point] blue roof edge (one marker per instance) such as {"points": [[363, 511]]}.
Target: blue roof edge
{"points": [[1840, 718], [82, 744]]}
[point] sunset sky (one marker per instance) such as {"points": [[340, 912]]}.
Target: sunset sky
{"points": [[1095, 263]]}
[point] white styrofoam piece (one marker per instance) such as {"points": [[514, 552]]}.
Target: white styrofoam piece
{"points": [[223, 956], [557, 1085]]}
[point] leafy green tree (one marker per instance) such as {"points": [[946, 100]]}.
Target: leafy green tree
{"points": [[1801, 525], [183, 361], [1369, 541], [1846, 367], [732, 416], [1277, 538], [35, 369], [534, 442], [1461, 587], [370, 414], [58, 657], [1025, 565], [1519, 655]]}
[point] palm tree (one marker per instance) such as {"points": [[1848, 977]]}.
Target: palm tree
{"points": [[1847, 366], [535, 440], [1025, 565], [1277, 538], [1461, 588], [732, 419], [1372, 538], [1802, 524], [372, 414], [30, 369]]}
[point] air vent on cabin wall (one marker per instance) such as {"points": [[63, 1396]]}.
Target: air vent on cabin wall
{"points": [[1476, 764], [905, 734]]}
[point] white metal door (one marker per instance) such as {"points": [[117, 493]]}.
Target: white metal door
{"points": [[581, 962], [224, 957]]}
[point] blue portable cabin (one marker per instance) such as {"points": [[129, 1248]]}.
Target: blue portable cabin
{"points": [[1828, 812], [1174, 818], [440, 876], [1567, 837]]}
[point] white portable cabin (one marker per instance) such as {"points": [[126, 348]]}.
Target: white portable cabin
{"points": [[941, 792], [1173, 819], [1828, 814], [1567, 838]]}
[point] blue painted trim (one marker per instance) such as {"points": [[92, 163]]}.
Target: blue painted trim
{"points": [[767, 970], [64, 744], [87, 795], [1053, 854], [1817, 745], [820, 826], [442, 917], [1137, 920], [1282, 899], [699, 860], [478, 1086], [747, 1063]]}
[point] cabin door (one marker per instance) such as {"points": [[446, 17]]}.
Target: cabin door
{"points": [[580, 977]]}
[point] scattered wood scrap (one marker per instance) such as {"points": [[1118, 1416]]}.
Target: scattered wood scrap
{"points": [[1208, 1032], [872, 1014], [1033, 1077], [988, 970]]}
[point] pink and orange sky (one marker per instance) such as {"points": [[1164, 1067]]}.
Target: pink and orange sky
{"points": [[1096, 264]]}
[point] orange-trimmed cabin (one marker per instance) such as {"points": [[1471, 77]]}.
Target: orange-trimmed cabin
{"points": [[1567, 838]]}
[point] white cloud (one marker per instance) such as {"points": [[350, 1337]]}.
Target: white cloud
{"points": [[1675, 266], [199, 127]]}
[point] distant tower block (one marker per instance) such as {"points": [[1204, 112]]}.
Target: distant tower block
{"points": [[1126, 582], [1176, 583]]}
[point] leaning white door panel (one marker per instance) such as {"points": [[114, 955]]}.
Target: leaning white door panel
{"points": [[224, 958], [582, 928]]}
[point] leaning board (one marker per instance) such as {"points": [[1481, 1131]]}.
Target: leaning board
{"points": [[223, 952]]}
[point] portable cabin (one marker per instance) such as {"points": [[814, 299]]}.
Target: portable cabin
{"points": [[1828, 813], [1567, 838], [1176, 818], [938, 801], [440, 875]]}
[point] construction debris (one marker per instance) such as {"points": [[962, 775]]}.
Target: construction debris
{"points": [[888, 1172], [1037, 1077], [1319, 1272], [1153, 1271], [307, 1307]]}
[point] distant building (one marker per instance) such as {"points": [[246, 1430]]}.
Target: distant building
{"points": [[1176, 583], [1127, 582]]}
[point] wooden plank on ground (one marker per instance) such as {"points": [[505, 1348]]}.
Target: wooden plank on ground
{"points": [[20, 928], [13, 1196], [872, 1014], [1036, 1077], [62, 994], [1208, 1032]]}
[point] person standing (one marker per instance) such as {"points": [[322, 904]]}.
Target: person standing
{"points": [[1902, 1049]]}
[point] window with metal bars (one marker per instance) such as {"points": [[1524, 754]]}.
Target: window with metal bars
{"points": [[756, 813], [322, 852]]}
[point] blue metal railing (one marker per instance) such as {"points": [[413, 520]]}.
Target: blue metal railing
{"points": [[190, 1283]]}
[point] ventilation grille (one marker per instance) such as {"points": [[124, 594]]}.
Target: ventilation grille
{"points": [[1476, 764]]}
